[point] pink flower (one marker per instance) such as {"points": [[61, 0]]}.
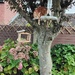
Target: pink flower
{"points": [[16, 57], [1, 68], [35, 53], [27, 48], [21, 55], [18, 48], [20, 66], [12, 51], [27, 57]]}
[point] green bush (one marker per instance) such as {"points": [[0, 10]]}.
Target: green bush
{"points": [[63, 57], [18, 59]]}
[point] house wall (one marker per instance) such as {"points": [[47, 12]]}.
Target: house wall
{"points": [[67, 36], [6, 15], [1, 13]]}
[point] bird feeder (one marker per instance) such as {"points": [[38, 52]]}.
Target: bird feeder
{"points": [[23, 36], [49, 15]]}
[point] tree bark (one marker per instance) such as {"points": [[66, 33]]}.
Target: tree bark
{"points": [[35, 36], [44, 46]]}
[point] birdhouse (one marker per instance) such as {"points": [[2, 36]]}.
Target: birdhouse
{"points": [[23, 36]]}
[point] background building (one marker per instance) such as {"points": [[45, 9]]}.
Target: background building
{"points": [[6, 15]]}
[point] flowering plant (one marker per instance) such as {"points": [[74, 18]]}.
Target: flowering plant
{"points": [[20, 58]]}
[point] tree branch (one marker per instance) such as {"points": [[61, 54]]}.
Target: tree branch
{"points": [[16, 6], [31, 21]]}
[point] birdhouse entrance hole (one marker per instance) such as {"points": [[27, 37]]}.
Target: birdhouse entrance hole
{"points": [[23, 36]]}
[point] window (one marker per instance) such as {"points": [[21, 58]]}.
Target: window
{"points": [[1, 1]]}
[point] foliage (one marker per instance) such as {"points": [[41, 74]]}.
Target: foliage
{"points": [[24, 58], [63, 59], [18, 57], [26, 8]]}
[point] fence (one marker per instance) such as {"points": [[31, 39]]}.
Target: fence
{"points": [[8, 31], [66, 35]]}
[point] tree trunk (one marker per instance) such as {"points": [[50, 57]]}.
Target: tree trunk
{"points": [[45, 59], [35, 36], [44, 46]]}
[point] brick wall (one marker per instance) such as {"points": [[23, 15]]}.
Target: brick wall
{"points": [[6, 14], [1, 13]]}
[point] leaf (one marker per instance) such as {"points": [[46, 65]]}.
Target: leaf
{"points": [[25, 64], [9, 72], [5, 69], [34, 73], [15, 71], [34, 46], [28, 25], [3, 55], [30, 70], [26, 73], [2, 74], [9, 67], [36, 68], [3, 63], [14, 62]]}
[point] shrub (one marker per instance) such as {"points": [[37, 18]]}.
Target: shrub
{"points": [[63, 59], [22, 59], [18, 59]]}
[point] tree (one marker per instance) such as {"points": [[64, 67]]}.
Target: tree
{"points": [[45, 30]]}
